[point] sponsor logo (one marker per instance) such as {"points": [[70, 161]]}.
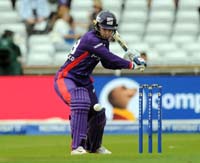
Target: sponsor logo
{"points": [[132, 105], [179, 101], [109, 20]]}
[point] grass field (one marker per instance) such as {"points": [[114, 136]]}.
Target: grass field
{"points": [[177, 148]]}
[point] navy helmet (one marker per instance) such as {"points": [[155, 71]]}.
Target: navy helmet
{"points": [[106, 20]]}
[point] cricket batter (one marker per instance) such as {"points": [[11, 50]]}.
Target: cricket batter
{"points": [[74, 84]]}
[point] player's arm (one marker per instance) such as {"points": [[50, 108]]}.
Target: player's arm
{"points": [[112, 61], [116, 62], [107, 58]]}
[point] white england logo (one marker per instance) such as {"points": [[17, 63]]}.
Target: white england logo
{"points": [[109, 20]]}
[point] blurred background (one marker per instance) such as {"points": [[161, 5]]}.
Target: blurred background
{"points": [[37, 35], [167, 31]]}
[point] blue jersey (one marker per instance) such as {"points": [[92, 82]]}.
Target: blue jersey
{"points": [[87, 52]]}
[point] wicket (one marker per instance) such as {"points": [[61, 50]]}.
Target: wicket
{"points": [[150, 89]]}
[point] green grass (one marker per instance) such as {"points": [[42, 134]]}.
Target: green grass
{"points": [[177, 148]]}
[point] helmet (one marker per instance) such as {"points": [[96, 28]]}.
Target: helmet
{"points": [[106, 20]]}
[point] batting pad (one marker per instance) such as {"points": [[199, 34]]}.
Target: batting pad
{"points": [[95, 131], [80, 104]]}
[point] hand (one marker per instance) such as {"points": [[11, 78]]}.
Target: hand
{"points": [[139, 63], [131, 54]]}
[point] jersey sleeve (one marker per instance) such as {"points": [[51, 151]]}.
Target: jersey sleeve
{"points": [[107, 58]]}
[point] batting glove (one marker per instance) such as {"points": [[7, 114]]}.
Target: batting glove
{"points": [[139, 63]]}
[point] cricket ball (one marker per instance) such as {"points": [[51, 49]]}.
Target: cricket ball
{"points": [[97, 107]]}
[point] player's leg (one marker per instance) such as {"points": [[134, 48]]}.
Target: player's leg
{"points": [[80, 104], [62, 87], [78, 100], [95, 130], [96, 124]]}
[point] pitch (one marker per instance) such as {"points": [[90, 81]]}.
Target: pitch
{"points": [[178, 148]]}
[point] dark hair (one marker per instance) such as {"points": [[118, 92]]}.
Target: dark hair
{"points": [[71, 19], [143, 54], [7, 34]]}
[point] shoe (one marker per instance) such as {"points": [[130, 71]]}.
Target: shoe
{"points": [[78, 151], [103, 150]]}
